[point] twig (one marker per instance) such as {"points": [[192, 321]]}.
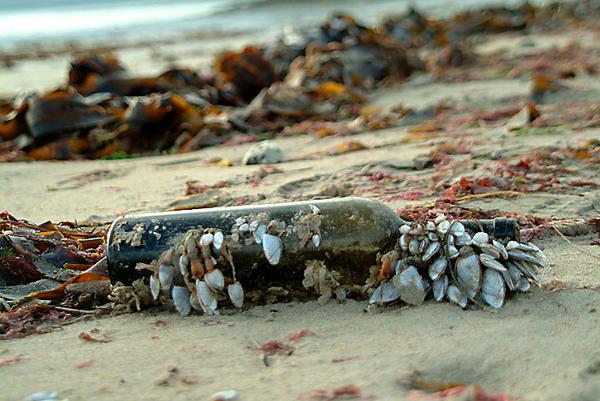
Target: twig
{"points": [[70, 310], [583, 250], [474, 197], [76, 320], [487, 195]]}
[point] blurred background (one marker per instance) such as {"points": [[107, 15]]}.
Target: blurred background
{"points": [[39, 38]]}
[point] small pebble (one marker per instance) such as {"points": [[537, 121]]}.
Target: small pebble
{"points": [[227, 395], [44, 396], [265, 152]]}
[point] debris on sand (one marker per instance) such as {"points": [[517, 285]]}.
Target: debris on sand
{"points": [[313, 76]]}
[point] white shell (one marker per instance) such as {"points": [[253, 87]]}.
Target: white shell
{"points": [[528, 270], [206, 239], [403, 241], [254, 225], [430, 226], [440, 286], [456, 296], [492, 288], [411, 286], [452, 252], [386, 292], [501, 248], [389, 292], [529, 247], [44, 396], [443, 227], [468, 272], [181, 298], [184, 264], [450, 240], [413, 246], [227, 395], [433, 237], [515, 274], [165, 276], [260, 231], [240, 220], [480, 238], [218, 240], [215, 280], [457, 229], [524, 285], [316, 240], [437, 268], [206, 297], [518, 254], [489, 261], [508, 280], [404, 229], [264, 152], [315, 209], [512, 245], [490, 250], [236, 294], [154, 287], [244, 227], [462, 240], [272, 248]]}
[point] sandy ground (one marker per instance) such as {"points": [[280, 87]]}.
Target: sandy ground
{"points": [[104, 189], [541, 346]]}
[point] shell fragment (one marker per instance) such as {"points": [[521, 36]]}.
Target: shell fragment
{"points": [[411, 286], [492, 288], [154, 287], [272, 248], [236, 294], [181, 298]]}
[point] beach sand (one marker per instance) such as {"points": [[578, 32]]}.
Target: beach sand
{"points": [[543, 346]]}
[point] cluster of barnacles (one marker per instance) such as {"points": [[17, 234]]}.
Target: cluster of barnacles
{"points": [[324, 281], [442, 259], [189, 272], [130, 297], [438, 258]]}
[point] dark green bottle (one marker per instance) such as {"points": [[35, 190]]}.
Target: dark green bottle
{"points": [[352, 232]]}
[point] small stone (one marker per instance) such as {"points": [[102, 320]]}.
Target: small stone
{"points": [[265, 152], [227, 395], [44, 396], [422, 162]]}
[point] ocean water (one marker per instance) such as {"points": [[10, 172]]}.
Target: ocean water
{"points": [[106, 21], [34, 20]]}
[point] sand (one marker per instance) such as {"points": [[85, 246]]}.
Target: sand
{"points": [[542, 346]]}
